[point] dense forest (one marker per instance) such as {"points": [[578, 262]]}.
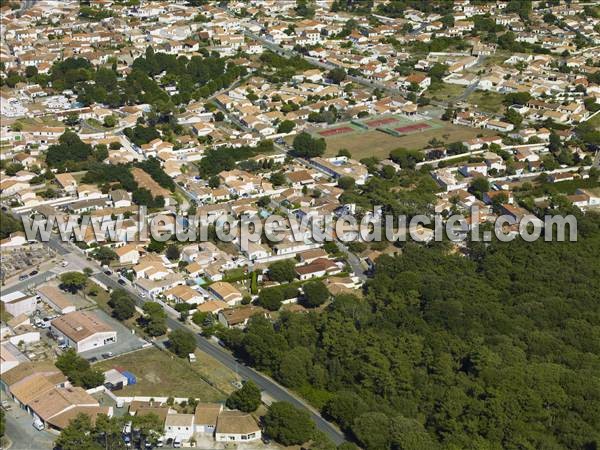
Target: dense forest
{"points": [[499, 349]]}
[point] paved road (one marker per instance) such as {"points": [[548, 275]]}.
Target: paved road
{"points": [[354, 262], [20, 431], [29, 282]]}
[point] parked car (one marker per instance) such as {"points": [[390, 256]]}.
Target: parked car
{"points": [[23, 277], [107, 272], [107, 355], [33, 272], [38, 425], [121, 281]]}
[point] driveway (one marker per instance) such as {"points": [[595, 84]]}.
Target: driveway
{"points": [[23, 436], [126, 341]]}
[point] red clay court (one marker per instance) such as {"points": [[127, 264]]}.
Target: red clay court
{"points": [[414, 127], [336, 131], [379, 122]]}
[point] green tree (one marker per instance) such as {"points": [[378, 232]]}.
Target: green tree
{"points": [[337, 75], [246, 399], [73, 281], [286, 126], [270, 298], [110, 121], [372, 430], [282, 271], [479, 185], [182, 342], [288, 425], [77, 435], [123, 306], [154, 320], [8, 225], [173, 252], [72, 119], [306, 146], [277, 178], [78, 370], [105, 255], [346, 183], [315, 294], [295, 367]]}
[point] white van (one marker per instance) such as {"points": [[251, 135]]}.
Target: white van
{"points": [[38, 424]]}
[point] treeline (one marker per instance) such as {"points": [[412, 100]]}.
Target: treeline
{"points": [[72, 154], [118, 176], [498, 349]]}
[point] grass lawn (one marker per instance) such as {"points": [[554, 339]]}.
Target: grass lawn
{"points": [[487, 101], [160, 373], [216, 372], [595, 121], [378, 144], [444, 91]]}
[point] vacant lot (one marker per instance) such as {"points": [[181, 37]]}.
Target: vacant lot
{"points": [[159, 373], [444, 91], [487, 101], [378, 144]]}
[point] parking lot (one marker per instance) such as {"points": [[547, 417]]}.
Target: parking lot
{"points": [[20, 431], [126, 341]]}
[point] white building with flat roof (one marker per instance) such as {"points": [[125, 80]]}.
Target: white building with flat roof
{"points": [[17, 303]]}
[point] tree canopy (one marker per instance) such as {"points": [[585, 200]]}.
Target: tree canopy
{"points": [[498, 347], [246, 399]]}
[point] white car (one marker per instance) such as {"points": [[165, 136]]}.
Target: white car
{"points": [[38, 425]]}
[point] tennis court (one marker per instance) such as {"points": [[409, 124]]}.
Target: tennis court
{"points": [[412, 128], [335, 131]]}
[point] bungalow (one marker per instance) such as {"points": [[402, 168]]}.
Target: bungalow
{"points": [[499, 125], [179, 427], [238, 317], [206, 416], [318, 268], [237, 426], [226, 292], [67, 183], [184, 294], [128, 254]]}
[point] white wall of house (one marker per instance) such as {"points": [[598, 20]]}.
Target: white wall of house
{"points": [[226, 437]]}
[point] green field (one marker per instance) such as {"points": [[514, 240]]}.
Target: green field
{"points": [[160, 373], [487, 101]]}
